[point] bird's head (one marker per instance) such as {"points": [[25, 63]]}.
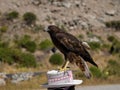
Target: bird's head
{"points": [[52, 29]]}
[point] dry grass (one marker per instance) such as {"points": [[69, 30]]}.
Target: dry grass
{"points": [[96, 81], [32, 84]]}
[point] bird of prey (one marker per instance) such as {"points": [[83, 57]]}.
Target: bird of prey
{"points": [[74, 50]]}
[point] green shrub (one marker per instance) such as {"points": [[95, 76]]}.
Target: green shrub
{"points": [[27, 60], [96, 72], [113, 24], [23, 59], [6, 55], [29, 18], [10, 56], [90, 34], [24, 39], [38, 28], [4, 44], [79, 75], [25, 42], [115, 48], [107, 46], [94, 45], [46, 44], [16, 55], [56, 59], [30, 46], [12, 15], [3, 29], [111, 38], [113, 67], [81, 36]]}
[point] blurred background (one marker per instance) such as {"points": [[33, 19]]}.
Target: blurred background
{"points": [[25, 50]]}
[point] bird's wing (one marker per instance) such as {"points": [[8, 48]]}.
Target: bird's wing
{"points": [[70, 42], [74, 45]]}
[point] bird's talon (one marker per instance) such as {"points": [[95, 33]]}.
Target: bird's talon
{"points": [[63, 69]]}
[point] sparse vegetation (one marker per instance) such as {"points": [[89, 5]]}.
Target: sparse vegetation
{"points": [[96, 72], [25, 42], [111, 38], [27, 60], [56, 59], [30, 46], [29, 18], [37, 28], [12, 15], [6, 55], [81, 36], [94, 45], [113, 24], [12, 56], [90, 34], [113, 67], [46, 44], [106, 46], [3, 29], [115, 48]]}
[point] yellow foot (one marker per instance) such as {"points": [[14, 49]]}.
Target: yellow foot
{"points": [[63, 69]]}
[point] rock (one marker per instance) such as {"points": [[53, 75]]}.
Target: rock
{"points": [[71, 23], [84, 25], [3, 75], [67, 4], [83, 4], [77, 3], [2, 82], [58, 4], [110, 12], [92, 21], [36, 2], [94, 39], [21, 77]]}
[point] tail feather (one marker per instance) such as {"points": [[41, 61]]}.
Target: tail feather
{"points": [[84, 67], [73, 58], [87, 57]]}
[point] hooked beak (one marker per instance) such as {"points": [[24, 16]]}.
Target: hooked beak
{"points": [[46, 29]]}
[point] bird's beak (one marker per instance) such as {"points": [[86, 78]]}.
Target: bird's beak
{"points": [[46, 29]]}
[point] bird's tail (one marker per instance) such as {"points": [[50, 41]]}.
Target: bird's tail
{"points": [[73, 58], [84, 67]]}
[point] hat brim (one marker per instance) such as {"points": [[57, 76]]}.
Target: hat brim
{"points": [[74, 82]]}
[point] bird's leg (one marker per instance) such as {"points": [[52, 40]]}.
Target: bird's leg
{"points": [[64, 67], [54, 49]]}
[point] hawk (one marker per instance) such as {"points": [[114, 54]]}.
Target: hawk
{"points": [[74, 50]]}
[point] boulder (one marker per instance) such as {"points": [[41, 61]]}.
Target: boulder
{"points": [[110, 12], [67, 4]]}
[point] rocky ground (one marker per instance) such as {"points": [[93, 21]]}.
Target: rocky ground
{"points": [[85, 14], [18, 77]]}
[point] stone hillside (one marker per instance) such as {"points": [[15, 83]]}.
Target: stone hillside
{"points": [[83, 14]]}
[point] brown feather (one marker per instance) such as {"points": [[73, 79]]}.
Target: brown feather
{"points": [[72, 48], [73, 58]]}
